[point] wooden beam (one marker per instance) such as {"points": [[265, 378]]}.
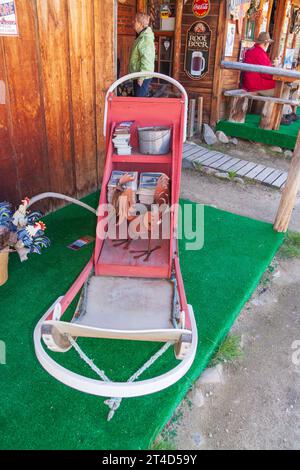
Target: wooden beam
{"points": [[280, 16], [191, 118], [271, 3], [289, 193], [177, 39], [238, 109], [141, 6], [287, 37], [218, 72], [278, 71], [105, 67], [259, 20], [200, 114]]}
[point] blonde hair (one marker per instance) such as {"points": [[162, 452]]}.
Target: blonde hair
{"points": [[143, 19]]}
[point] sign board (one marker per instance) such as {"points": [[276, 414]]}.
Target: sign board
{"points": [[8, 18], [201, 8], [197, 50], [230, 39]]}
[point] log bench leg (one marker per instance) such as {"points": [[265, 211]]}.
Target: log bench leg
{"points": [[238, 109], [268, 119]]}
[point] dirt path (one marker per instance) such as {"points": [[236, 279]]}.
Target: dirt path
{"points": [[257, 406]]}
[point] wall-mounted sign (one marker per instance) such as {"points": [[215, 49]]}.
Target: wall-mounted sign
{"points": [[230, 39], [8, 18], [201, 8], [197, 50]]}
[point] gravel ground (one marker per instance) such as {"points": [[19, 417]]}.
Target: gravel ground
{"points": [[255, 405]]}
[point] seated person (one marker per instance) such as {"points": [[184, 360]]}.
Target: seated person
{"points": [[263, 83]]}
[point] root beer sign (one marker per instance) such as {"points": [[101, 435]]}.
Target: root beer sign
{"points": [[197, 50], [201, 8]]}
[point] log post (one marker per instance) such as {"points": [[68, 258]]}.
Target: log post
{"points": [[238, 109], [280, 17], [177, 39], [289, 193], [191, 118], [141, 6], [218, 71], [200, 114]]}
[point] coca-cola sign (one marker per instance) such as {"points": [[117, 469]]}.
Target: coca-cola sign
{"points": [[201, 8]]}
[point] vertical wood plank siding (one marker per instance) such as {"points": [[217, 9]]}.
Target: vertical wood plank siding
{"points": [[56, 74], [211, 86]]}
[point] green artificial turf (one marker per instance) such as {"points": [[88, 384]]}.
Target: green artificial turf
{"points": [[38, 412], [285, 136]]}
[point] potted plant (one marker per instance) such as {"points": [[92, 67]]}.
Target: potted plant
{"points": [[21, 231]]}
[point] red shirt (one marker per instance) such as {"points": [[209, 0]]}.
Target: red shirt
{"points": [[255, 81]]}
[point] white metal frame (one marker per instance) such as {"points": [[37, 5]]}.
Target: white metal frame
{"points": [[132, 76], [113, 389]]}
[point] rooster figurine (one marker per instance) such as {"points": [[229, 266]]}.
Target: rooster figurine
{"points": [[31, 239], [123, 204], [5, 215], [19, 218]]}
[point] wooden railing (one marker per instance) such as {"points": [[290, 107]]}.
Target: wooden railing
{"points": [[260, 68]]}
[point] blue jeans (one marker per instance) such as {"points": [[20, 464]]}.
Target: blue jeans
{"points": [[141, 91]]}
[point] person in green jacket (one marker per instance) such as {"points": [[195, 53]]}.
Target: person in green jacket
{"points": [[142, 56]]}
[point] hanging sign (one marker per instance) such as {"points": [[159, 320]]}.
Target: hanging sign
{"points": [[8, 18], [201, 8], [197, 50]]}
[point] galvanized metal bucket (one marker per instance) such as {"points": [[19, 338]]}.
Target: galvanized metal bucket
{"points": [[154, 140]]}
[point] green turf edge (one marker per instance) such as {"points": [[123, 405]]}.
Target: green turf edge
{"points": [[196, 374], [250, 132]]}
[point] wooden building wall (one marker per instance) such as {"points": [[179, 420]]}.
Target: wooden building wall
{"points": [[55, 76], [126, 33], [216, 80]]}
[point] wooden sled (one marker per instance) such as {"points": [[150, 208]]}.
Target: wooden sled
{"points": [[124, 296]]}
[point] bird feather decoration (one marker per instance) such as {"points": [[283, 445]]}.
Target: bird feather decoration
{"points": [[6, 214]]}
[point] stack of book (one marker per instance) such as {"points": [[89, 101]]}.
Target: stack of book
{"points": [[121, 138], [114, 180], [147, 187]]}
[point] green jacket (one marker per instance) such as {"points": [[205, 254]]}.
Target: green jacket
{"points": [[142, 56]]}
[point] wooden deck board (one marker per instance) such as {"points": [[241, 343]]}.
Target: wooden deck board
{"points": [[280, 181], [258, 169], [226, 166], [243, 171], [264, 174], [220, 161], [272, 177]]}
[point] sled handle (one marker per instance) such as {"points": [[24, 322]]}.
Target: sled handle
{"points": [[131, 76]]}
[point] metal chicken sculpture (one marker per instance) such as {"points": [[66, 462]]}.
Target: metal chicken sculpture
{"points": [[124, 205], [22, 231]]}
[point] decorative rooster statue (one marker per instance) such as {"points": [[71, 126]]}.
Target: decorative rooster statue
{"points": [[31, 239], [19, 217], [21, 231], [123, 203]]}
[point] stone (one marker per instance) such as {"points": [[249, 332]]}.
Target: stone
{"points": [[209, 135], [212, 375], [288, 154], [197, 438], [197, 398], [276, 149], [208, 171], [234, 141], [222, 137], [239, 180], [224, 176]]}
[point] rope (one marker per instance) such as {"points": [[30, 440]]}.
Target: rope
{"points": [[114, 403]]}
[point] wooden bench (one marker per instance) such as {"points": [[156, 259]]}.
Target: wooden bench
{"points": [[239, 106]]}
